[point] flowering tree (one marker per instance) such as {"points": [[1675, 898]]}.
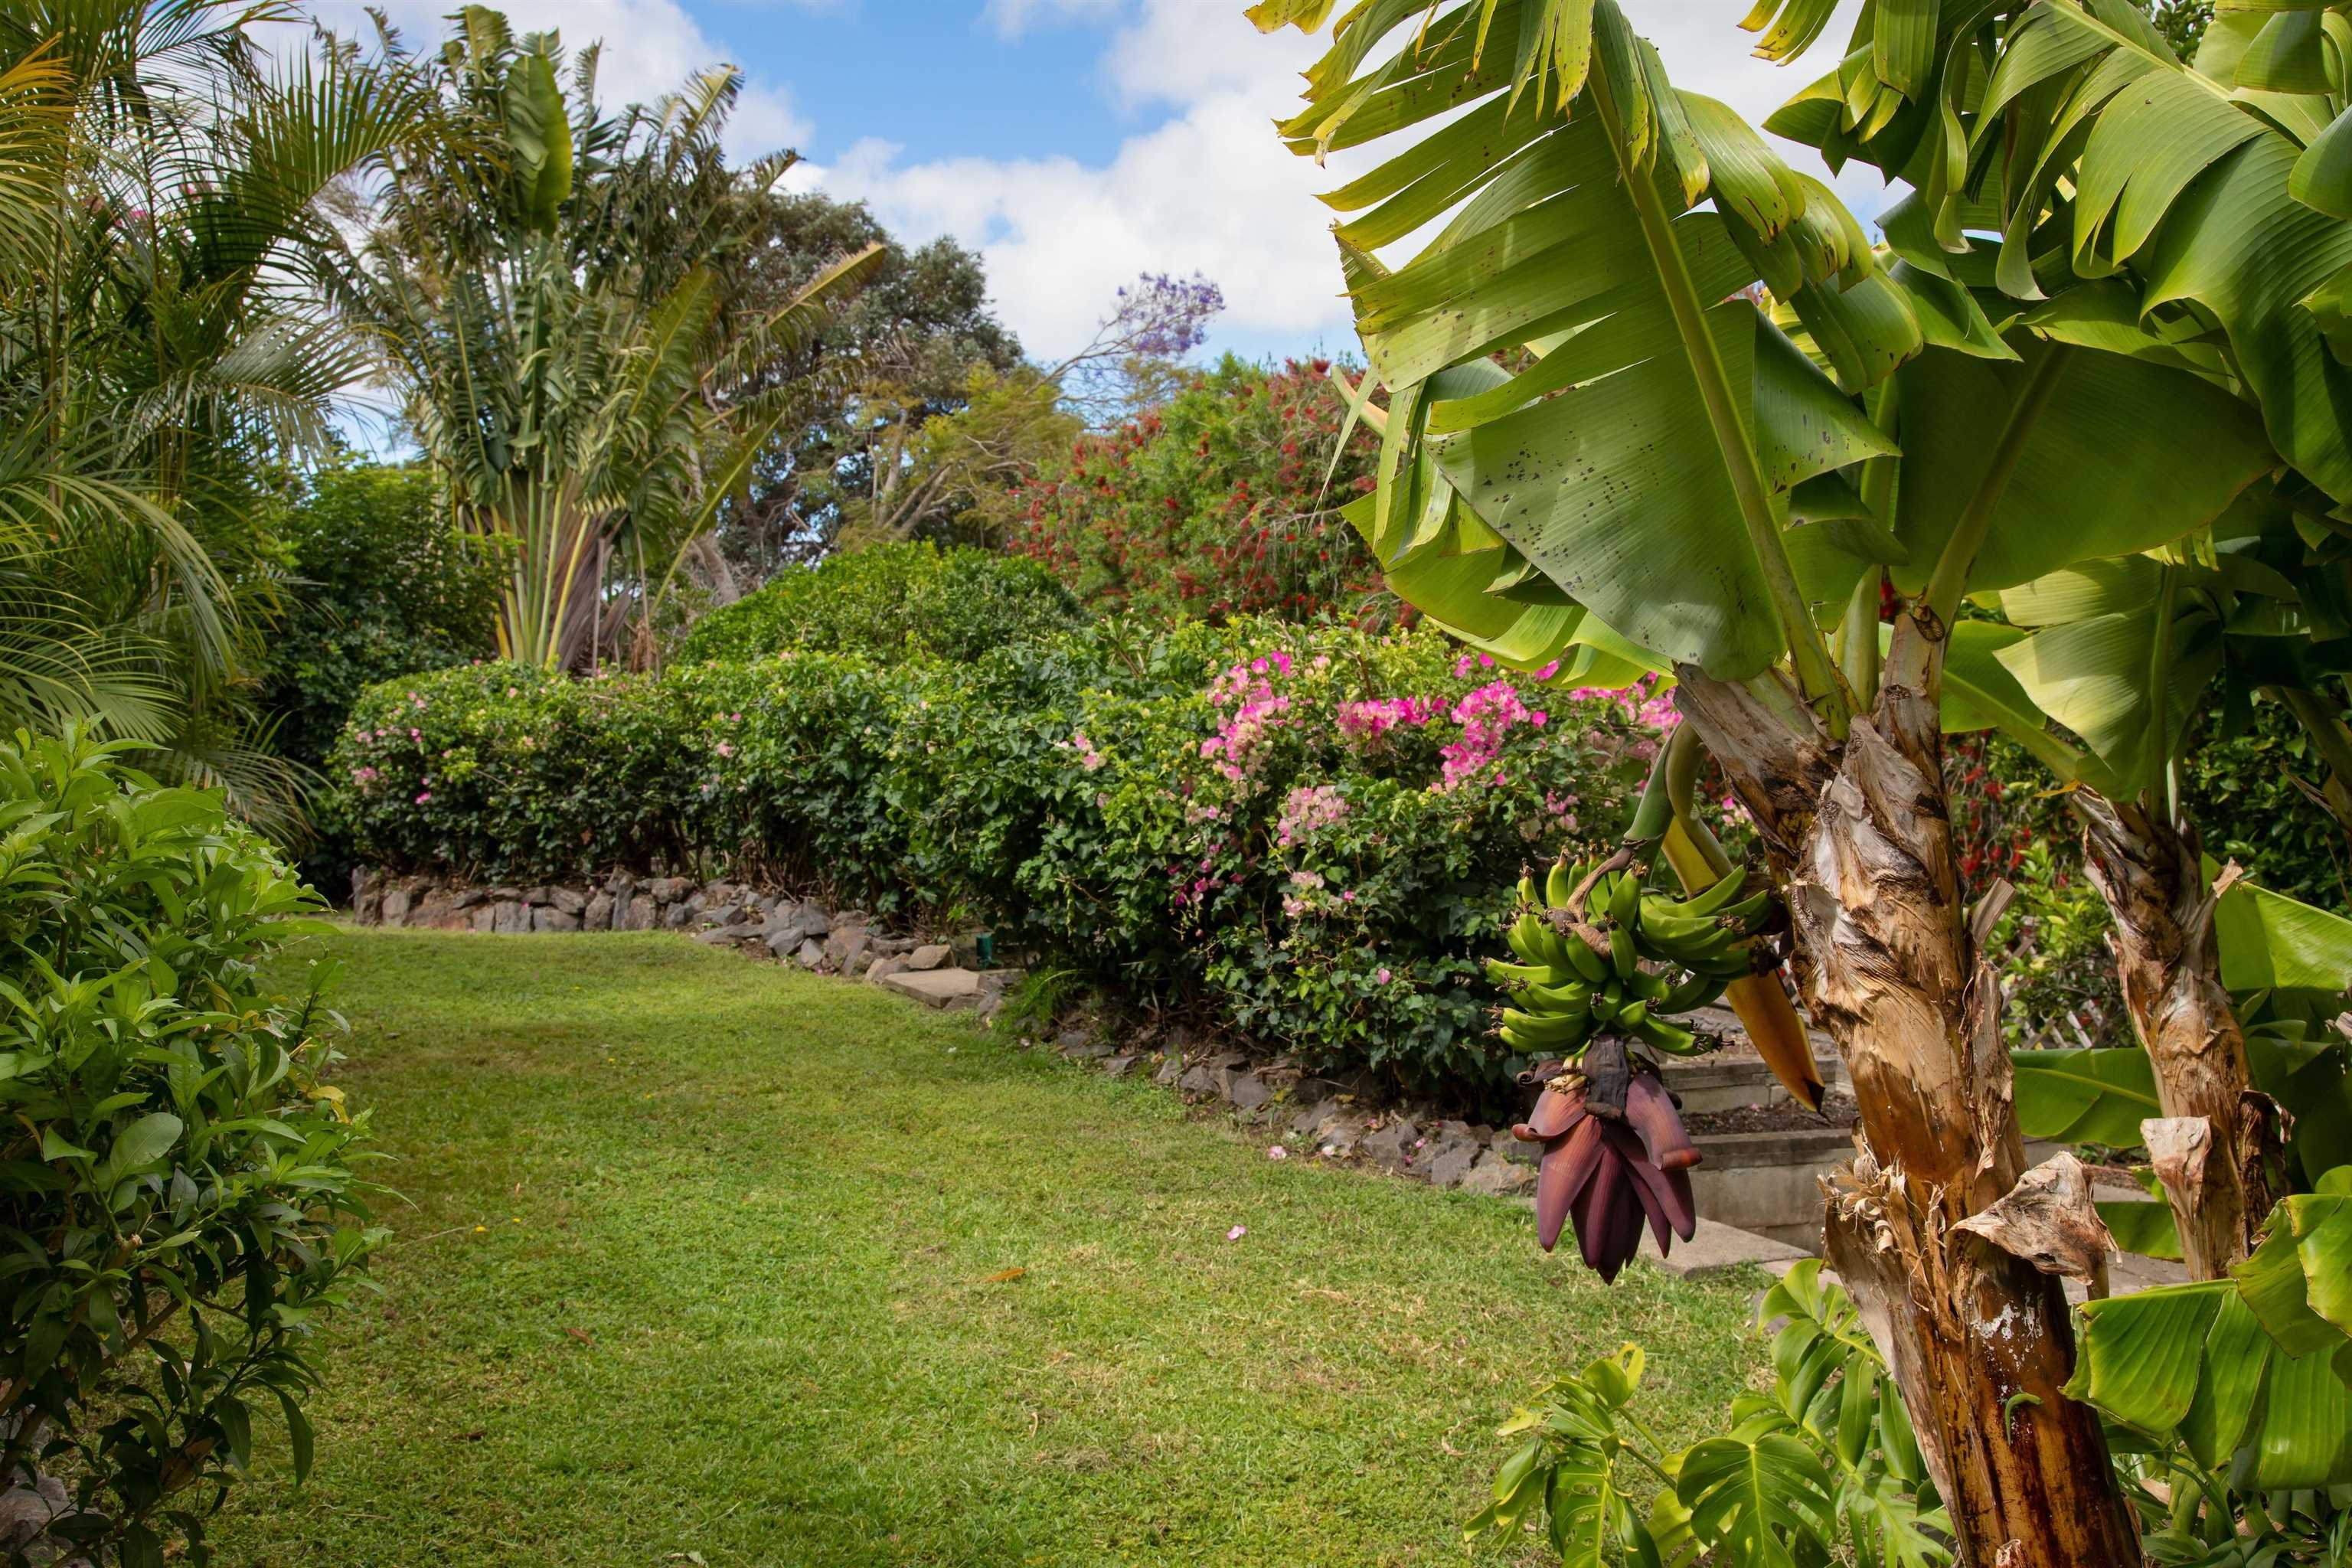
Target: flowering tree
{"points": [[1221, 502]]}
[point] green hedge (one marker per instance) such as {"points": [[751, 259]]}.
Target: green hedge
{"points": [[1314, 829], [892, 599]]}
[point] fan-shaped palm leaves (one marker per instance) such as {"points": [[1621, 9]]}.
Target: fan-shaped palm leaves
{"points": [[554, 291]]}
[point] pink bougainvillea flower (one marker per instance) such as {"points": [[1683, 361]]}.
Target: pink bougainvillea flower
{"points": [[1277, 1152], [1238, 1232], [1615, 1154]]}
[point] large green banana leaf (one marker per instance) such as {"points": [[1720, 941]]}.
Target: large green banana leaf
{"points": [[2193, 1363], [2129, 453], [2220, 191], [1649, 416], [2259, 1363], [1613, 461], [2271, 942], [2085, 1094]]}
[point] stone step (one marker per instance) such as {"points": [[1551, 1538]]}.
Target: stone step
{"points": [[936, 988], [1729, 1078]]}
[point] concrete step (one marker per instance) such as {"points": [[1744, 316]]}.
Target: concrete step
{"points": [[936, 988], [1716, 1248], [1733, 1076]]}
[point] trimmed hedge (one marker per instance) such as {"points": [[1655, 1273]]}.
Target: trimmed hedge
{"points": [[893, 598], [1315, 829]]}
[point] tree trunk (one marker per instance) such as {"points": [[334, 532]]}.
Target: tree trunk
{"points": [[2213, 1165], [1979, 1342]]}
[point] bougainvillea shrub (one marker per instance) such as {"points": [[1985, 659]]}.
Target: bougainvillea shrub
{"points": [[1221, 503], [1310, 830]]}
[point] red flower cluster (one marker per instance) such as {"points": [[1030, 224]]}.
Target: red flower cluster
{"points": [[1216, 504]]}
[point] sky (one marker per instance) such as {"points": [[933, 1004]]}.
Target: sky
{"points": [[1074, 144]]}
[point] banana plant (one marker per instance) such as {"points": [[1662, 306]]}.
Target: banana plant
{"points": [[2190, 215], [1596, 447]]}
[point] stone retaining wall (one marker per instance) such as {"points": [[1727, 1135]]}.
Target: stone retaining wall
{"points": [[723, 914]]}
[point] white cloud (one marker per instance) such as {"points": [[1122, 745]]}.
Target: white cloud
{"points": [[651, 48], [1011, 18], [1210, 189], [1205, 188]]}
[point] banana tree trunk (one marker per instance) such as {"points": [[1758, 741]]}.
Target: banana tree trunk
{"points": [[2214, 1145], [1980, 1341]]}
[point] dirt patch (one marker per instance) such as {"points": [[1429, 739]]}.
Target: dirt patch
{"points": [[1788, 1116]]}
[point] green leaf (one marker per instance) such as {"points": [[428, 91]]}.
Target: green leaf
{"points": [[2130, 454], [1757, 1498], [538, 137], [2145, 1228], [141, 1548], [2084, 1094], [300, 1437], [144, 1141], [2270, 941]]}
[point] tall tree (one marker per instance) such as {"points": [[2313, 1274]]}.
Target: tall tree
{"points": [[164, 215], [913, 344], [567, 302]]}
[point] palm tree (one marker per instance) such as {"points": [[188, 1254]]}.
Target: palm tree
{"points": [[162, 342], [557, 295]]}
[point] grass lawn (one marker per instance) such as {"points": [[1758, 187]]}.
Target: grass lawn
{"points": [[699, 1259]]}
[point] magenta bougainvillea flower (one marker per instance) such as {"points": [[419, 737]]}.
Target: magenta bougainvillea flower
{"points": [[1615, 1154]]}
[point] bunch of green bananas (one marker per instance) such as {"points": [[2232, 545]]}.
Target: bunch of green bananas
{"points": [[1609, 959]]}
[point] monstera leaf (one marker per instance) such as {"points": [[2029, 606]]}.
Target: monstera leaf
{"points": [[1756, 1494]]}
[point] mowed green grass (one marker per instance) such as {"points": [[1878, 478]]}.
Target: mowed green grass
{"points": [[699, 1255]]}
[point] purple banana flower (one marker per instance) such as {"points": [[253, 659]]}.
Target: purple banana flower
{"points": [[1609, 1167]]}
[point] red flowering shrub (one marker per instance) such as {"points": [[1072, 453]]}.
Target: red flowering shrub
{"points": [[1216, 505]]}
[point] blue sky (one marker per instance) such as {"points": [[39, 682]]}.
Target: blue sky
{"points": [[1075, 142]]}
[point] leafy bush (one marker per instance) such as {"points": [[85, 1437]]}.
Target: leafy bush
{"points": [[2247, 789], [506, 770], [1308, 828], [180, 1204], [382, 586], [894, 599], [1215, 505]]}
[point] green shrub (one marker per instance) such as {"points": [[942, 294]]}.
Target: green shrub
{"points": [[2247, 790], [891, 600], [792, 755], [382, 586], [1309, 831], [180, 1204], [508, 772]]}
